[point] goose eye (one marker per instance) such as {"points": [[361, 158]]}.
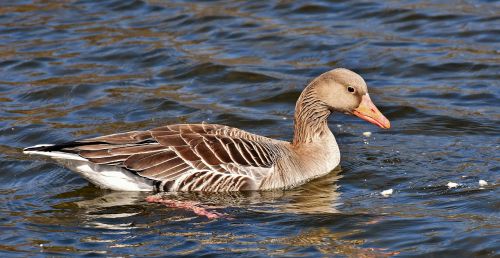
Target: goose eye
{"points": [[350, 89]]}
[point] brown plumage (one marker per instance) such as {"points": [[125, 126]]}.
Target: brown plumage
{"points": [[210, 157]]}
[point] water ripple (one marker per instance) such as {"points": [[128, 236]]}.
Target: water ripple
{"points": [[75, 69]]}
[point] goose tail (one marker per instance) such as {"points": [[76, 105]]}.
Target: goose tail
{"points": [[104, 176]]}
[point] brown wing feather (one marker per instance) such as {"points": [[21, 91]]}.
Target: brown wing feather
{"points": [[206, 154], [168, 152], [166, 168], [142, 161], [111, 160], [121, 138], [131, 150], [170, 140]]}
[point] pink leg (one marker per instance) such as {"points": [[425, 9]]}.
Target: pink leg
{"points": [[195, 207]]}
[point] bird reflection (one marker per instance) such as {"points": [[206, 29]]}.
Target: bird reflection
{"points": [[123, 212], [316, 197], [112, 210]]}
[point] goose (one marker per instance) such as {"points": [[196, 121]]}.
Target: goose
{"points": [[219, 158]]}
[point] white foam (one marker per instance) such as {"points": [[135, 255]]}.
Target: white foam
{"points": [[387, 192]]}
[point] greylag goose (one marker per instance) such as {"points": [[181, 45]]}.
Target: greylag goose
{"points": [[216, 158]]}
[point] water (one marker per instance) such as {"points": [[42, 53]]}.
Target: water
{"points": [[73, 69]]}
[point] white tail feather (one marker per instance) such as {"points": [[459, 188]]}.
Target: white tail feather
{"points": [[103, 176]]}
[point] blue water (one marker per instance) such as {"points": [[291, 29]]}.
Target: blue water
{"points": [[75, 69]]}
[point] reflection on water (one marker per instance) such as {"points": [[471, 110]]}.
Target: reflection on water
{"points": [[317, 197], [74, 69], [120, 213]]}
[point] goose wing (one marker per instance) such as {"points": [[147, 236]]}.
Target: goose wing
{"points": [[187, 156]]}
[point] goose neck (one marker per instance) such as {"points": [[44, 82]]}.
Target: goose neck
{"points": [[310, 120]]}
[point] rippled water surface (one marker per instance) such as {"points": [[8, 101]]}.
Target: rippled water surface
{"points": [[74, 69]]}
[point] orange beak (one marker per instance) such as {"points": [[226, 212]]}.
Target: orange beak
{"points": [[369, 112]]}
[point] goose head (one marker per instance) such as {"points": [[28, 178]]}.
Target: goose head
{"points": [[342, 90]]}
